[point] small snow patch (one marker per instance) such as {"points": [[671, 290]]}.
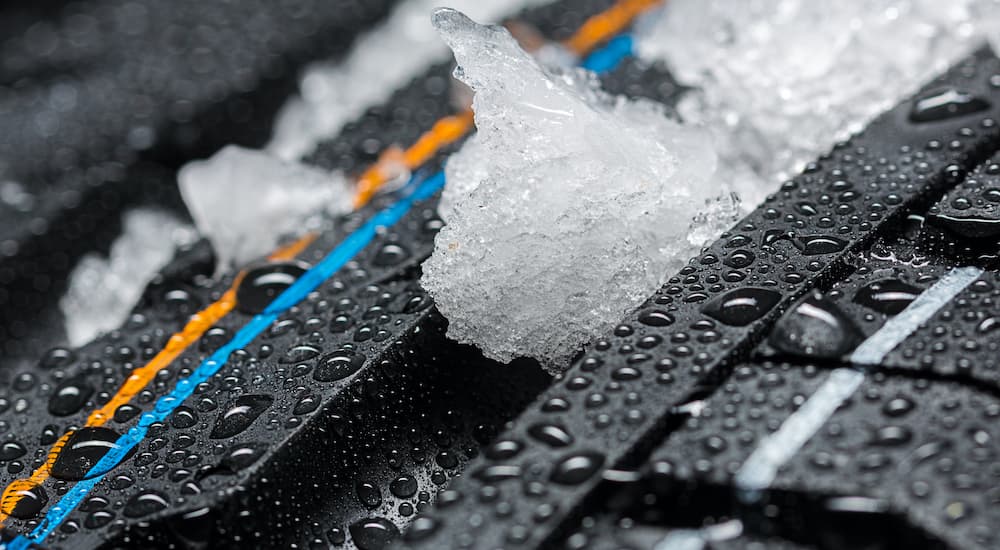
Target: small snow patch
{"points": [[244, 201], [779, 82], [102, 291]]}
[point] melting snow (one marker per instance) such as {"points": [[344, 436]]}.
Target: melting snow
{"points": [[381, 61], [566, 210], [244, 200], [782, 80], [102, 291]]}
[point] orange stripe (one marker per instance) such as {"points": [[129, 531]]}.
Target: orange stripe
{"points": [[292, 249], [392, 162], [139, 378], [607, 24], [14, 492], [446, 131], [450, 129]]}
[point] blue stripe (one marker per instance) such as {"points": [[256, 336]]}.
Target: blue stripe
{"points": [[308, 282], [600, 61], [608, 57]]}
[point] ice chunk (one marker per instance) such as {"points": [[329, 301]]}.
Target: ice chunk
{"points": [[244, 200], [102, 291], [782, 80], [566, 210], [381, 61]]}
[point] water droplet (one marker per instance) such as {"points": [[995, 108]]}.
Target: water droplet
{"points": [[742, 306], [739, 259], [24, 382], [555, 404], [83, 451], [57, 358], [897, 407], [49, 435], [183, 417], [373, 533], [503, 449], [946, 103], [421, 528], [70, 396], [806, 208], [417, 302], [498, 472], [243, 455], [94, 503], [299, 354], [390, 254], [550, 434], [11, 450], [126, 412], [31, 502], [656, 318], [145, 503], [176, 304], [889, 296], [772, 235], [306, 405], [892, 436], [240, 415], [213, 339], [98, 519], [368, 494], [403, 486], [815, 328], [819, 244], [263, 284], [988, 325], [282, 327], [338, 365], [577, 468]]}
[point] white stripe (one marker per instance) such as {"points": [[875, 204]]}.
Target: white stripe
{"points": [[380, 62], [759, 471], [682, 539], [696, 539], [898, 328]]}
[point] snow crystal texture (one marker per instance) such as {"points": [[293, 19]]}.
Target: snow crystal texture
{"points": [[102, 291], [782, 80], [566, 210], [383, 60], [244, 201]]}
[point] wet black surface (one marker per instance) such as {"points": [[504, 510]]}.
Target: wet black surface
{"points": [[340, 425], [905, 462], [972, 208], [616, 402], [353, 415]]}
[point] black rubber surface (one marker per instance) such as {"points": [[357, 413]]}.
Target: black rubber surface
{"points": [[614, 405], [362, 415], [905, 463], [324, 461]]}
